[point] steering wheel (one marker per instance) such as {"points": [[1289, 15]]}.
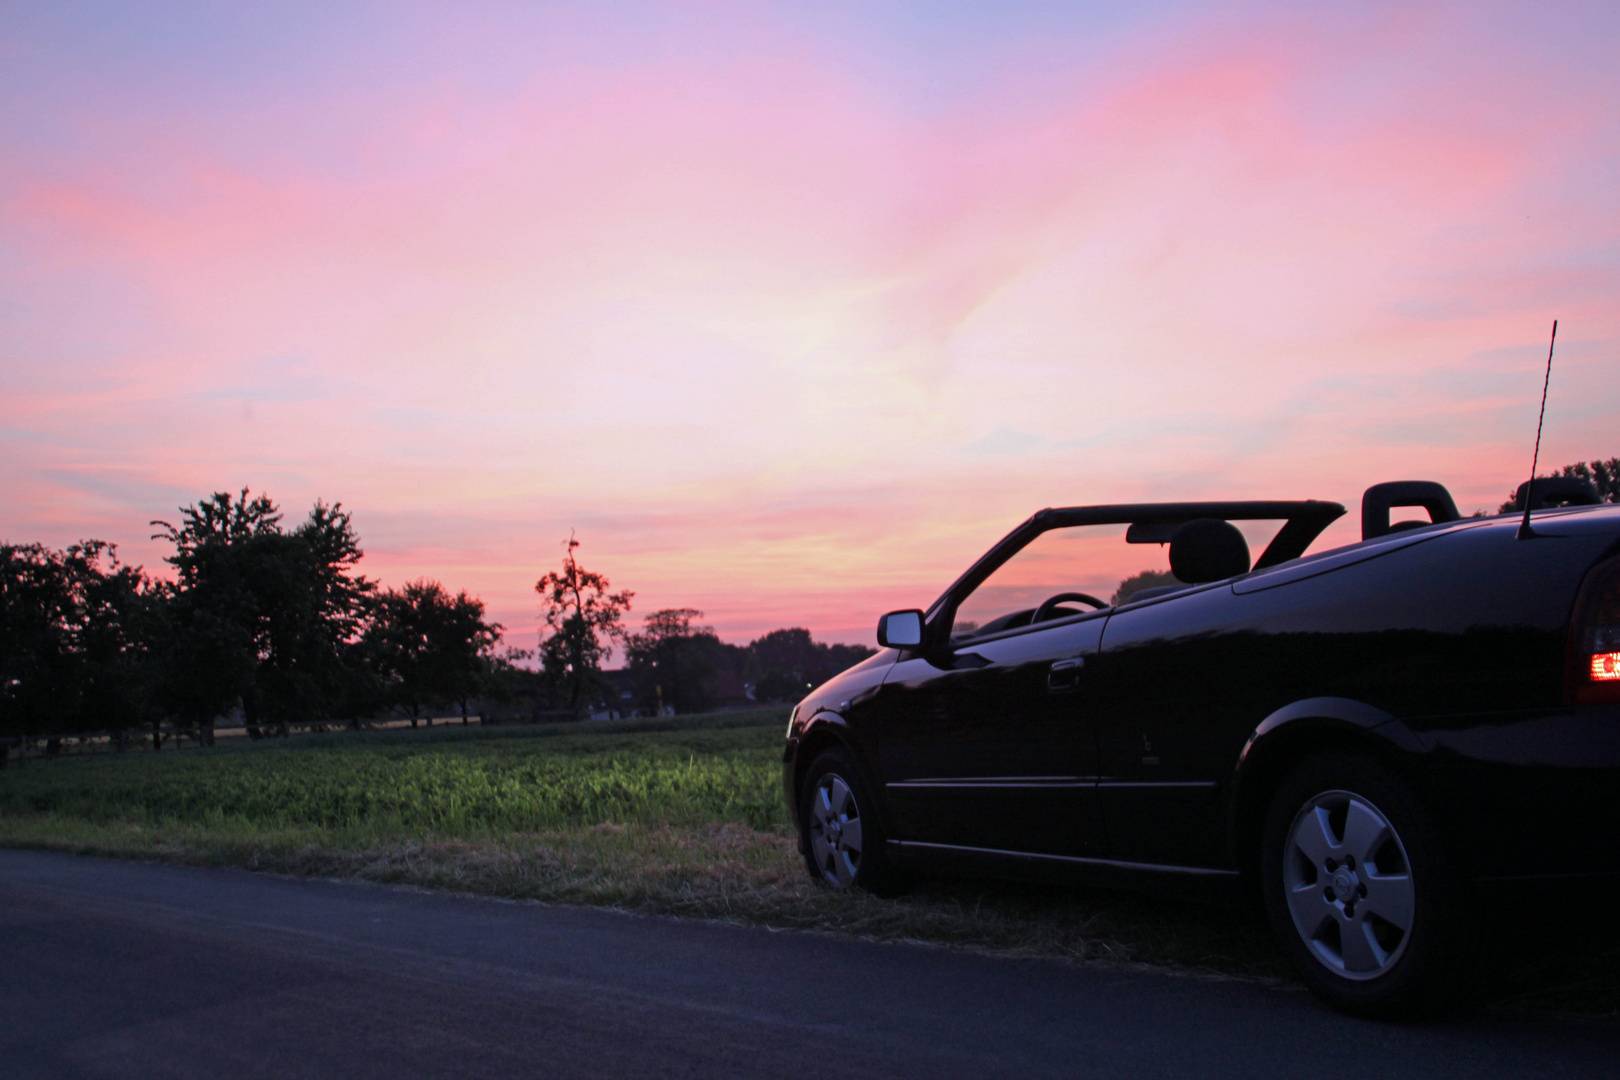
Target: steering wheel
{"points": [[1049, 606]]}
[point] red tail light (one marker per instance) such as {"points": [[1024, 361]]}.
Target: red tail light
{"points": [[1594, 637]]}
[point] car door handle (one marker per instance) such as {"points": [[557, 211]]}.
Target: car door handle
{"points": [[1064, 675]]}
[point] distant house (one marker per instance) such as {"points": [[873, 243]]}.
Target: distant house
{"points": [[731, 692], [620, 701]]}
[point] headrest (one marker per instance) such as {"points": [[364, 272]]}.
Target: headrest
{"points": [[1208, 549], [1559, 491], [1380, 499]]}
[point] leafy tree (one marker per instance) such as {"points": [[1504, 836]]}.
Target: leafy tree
{"points": [[259, 615], [784, 664], [675, 663], [339, 596], [1603, 475], [311, 609], [72, 639], [431, 647], [1147, 579], [467, 651], [119, 616], [508, 680], [214, 639], [583, 620]]}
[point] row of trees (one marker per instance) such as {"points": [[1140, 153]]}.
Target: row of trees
{"points": [[678, 663], [277, 623], [261, 618], [674, 662]]}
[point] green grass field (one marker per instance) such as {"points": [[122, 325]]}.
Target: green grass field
{"points": [[450, 782], [662, 816]]}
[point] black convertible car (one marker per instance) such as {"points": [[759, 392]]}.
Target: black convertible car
{"points": [[1377, 742]]}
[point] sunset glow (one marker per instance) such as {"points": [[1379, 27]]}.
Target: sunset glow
{"points": [[789, 311]]}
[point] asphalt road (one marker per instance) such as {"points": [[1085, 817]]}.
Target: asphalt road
{"points": [[126, 969]]}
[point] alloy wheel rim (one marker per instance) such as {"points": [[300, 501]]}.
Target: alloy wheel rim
{"points": [[1348, 885], [835, 831]]}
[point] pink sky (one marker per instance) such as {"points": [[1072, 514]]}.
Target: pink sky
{"points": [[788, 315]]}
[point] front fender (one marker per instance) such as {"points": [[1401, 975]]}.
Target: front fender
{"points": [[827, 728], [824, 728]]}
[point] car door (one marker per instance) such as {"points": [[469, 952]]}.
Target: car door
{"points": [[992, 744], [1170, 671]]}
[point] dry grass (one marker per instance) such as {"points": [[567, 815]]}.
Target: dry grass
{"points": [[721, 871]]}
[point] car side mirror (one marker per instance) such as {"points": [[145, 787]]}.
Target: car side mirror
{"points": [[901, 629]]}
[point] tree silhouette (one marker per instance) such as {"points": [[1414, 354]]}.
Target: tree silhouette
{"points": [[784, 664], [259, 615], [675, 663], [1147, 579], [583, 620], [73, 631], [430, 647]]}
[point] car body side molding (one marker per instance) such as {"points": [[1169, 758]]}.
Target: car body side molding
{"points": [[1043, 782], [916, 847]]}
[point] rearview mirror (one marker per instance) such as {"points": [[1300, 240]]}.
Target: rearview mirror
{"points": [[901, 629]]}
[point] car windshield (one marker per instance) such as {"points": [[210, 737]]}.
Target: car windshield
{"points": [[1094, 560]]}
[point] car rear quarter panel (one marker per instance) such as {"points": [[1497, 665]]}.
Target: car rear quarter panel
{"points": [[1459, 636]]}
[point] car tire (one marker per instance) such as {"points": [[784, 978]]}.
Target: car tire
{"points": [[843, 842], [1360, 894]]}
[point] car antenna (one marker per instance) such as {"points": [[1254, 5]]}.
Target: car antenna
{"points": [[1525, 531]]}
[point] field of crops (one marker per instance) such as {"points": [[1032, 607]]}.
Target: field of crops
{"points": [[452, 783]]}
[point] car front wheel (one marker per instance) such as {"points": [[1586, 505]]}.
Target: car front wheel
{"points": [[844, 844], [1359, 893]]}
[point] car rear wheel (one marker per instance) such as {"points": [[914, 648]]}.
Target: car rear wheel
{"points": [[1359, 892], [843, 841]]}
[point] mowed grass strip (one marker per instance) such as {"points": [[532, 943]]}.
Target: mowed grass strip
{"points": [[680, 817]]}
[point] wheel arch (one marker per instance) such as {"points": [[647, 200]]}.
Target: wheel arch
{"points": [[825, 729], [1287, 737]]}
